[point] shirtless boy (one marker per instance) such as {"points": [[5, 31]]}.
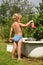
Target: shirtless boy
{"points": [[16, 27]]}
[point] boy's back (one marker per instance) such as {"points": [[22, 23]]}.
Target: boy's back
{"points": [[16, 28]]}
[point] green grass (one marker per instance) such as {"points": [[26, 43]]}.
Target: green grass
{"points": [[5, 58]]}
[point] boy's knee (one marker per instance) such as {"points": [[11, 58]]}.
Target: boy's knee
{"points": [[19, 47], [14, 47]]}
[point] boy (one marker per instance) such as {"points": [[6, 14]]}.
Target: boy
{"points": [[16, 27]]}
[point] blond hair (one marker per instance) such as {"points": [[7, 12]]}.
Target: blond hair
{"points": [[16, 16]]}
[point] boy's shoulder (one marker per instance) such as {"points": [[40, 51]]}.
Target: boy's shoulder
{"points": [[15, 23]]}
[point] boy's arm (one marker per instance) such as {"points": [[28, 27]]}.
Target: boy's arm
{"points": [[11, 31], [27, 24]]}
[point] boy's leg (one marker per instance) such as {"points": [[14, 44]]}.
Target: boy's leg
{"points": [[13, 50], [19, 49]]}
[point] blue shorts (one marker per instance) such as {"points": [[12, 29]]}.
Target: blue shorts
{"points": [[16, 38]]}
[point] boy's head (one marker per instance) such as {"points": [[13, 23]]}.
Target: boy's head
{"points": [[16, 17]]}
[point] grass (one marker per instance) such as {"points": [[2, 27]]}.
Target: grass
{"points": [[5, 58]]}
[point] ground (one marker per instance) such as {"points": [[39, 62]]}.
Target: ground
{"points": [[5, 58]]}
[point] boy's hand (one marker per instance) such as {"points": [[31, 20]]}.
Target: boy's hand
{"points": [[32, 21], [10, 39]]}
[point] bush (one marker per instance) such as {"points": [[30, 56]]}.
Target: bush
{"points": [[5, 24]]}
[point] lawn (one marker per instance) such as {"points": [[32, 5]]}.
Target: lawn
{"points": [[5, 58]]}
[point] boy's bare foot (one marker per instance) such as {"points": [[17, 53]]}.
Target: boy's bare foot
{"points": [[12, 57], [19, 59]]}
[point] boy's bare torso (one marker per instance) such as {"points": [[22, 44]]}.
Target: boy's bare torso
{"points": [[17, 28]]}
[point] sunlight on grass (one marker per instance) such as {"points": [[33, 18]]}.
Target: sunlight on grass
{"points": [[5, 58]]}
